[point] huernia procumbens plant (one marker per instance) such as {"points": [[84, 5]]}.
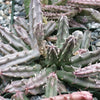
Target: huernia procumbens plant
{"points": [[27, 45]]}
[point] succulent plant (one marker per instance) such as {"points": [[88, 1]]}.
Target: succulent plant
{"points": [[27, 44]]}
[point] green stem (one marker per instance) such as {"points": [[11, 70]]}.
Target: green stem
{"points": [[12, 12]]}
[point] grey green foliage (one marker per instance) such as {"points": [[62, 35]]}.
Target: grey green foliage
{"points": [[27, 44], [70, 78], [21, 71], [63, 31], [51, 85], [32, 85], [86, 40]]}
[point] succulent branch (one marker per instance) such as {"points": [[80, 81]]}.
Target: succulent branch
{"points": [[84, 3], [49, 28], [22, 22], [6, 48], [18, 58], [85, 58], [94, 13], [63, 31], [32, 85], [79, 36], [52, 54], [35, 18], [20, 71], [86, 40], [53, 12], [88, 71], [66, 50], [22, 34], [84, 83], [11, 38], [51, 86], [74, 96]]}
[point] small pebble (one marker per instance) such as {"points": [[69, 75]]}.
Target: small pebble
{"points": [[36, 98], [20, 2], [7, 2], [5, 11]]}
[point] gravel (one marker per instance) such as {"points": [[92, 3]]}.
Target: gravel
{"points": [[5, 11]]}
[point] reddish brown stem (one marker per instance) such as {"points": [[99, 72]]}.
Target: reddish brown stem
{"points": [[82, 95]]}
